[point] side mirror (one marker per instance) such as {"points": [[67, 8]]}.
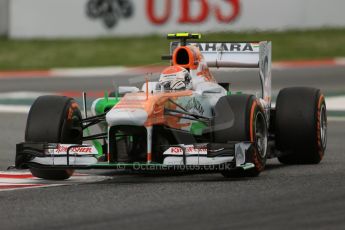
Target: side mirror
{"points": [[212, 90], [152, 86], [128, 89]]}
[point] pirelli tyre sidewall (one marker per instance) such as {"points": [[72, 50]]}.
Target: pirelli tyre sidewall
{"points": [[54, 119], [241, 118], [301, 125]]}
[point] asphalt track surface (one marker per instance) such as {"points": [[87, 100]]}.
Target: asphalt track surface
{"points": [[282, 197]]}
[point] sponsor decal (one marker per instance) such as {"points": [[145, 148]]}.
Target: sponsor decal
{"points": [[109, 11], [227, 47], [193, 12], [63, 149], [222, 47], [193, 105], [160, 12], [189, 150]]}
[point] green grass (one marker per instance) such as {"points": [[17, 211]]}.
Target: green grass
{"points": [[44, 54]]}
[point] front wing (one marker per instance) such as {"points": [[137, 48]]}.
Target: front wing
{"points": [[207, 156]]}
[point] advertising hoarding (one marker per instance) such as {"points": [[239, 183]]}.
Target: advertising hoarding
{"points": [[95, 18]]}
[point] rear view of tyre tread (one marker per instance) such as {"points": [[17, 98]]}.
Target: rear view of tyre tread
{"points": [[301, 124]]}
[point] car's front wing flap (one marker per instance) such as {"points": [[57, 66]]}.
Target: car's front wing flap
{"points": [[53, 154]]}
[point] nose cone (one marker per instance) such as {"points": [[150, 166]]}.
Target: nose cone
{"points": [[135, 117]]}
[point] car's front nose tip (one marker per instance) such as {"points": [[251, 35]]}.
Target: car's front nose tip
{"points": [[136, 117]]}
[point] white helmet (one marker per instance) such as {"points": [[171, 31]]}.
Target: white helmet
{"points": [[175, 78]]}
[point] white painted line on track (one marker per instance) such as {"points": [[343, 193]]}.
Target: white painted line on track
{"points": [[88, 72], [340, 61], [335, 103], [23, 95], [20, 109], [24, 109], [341, 119], [13, 180]]}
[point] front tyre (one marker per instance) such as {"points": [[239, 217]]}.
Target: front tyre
{"points": [[54, 119], [52, 174], [241, 118]]}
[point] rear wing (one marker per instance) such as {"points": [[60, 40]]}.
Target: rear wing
{"points": [[232, 55], [238, 55]]}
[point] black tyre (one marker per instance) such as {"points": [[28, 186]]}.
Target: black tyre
{"points": [[241, 118], [54, 119], [301, 125]]}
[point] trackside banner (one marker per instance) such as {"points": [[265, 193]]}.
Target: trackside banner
{"points": [[95, 18]]}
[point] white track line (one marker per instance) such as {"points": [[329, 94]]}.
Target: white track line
{"points": [[340, 61], [24, 109], [23, 95], [335, 103], [29, 186], [342, 119], [9, 179], [88, 72]]}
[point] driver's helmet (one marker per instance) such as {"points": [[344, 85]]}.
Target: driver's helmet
{"points": [[175, 78]]}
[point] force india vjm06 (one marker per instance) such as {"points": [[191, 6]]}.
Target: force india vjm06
{"points": [[186, 121]]}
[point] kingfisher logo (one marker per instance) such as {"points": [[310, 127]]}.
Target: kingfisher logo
{"points": [[109, 11], [63, 149]]}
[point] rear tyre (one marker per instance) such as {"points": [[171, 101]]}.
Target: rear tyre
{"points": [[54, 119], [241, 118], [301, 125]]}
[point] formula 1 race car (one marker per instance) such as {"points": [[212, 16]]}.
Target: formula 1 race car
{"points": [[192, 123]]}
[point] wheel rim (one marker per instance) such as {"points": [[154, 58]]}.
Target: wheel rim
{"points": [[261, 132], [323, 126]]}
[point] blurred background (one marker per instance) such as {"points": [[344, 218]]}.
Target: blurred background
{"points": [[42, 34]]}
